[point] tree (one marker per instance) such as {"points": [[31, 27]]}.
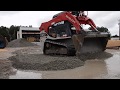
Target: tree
{"points": [[101, 29], [13, 31], [115, 35], [4, 31], [9, 33]]}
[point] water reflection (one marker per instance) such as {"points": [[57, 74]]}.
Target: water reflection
{"points": [[91, 70]]}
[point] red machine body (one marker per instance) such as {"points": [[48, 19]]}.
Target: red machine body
{"points": [[70, 38], [76, 21]]}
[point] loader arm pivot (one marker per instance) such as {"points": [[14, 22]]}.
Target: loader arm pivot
{"points": [[86, 20]]}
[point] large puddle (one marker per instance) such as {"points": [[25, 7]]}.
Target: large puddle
{"points": [[93, 69]]}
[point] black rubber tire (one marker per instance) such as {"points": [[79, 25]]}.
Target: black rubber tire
{"points": [[71, 52]]}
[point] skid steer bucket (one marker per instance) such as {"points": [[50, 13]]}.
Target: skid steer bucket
{"points": [[91, 42]]}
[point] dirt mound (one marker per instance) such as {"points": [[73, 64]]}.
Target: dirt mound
{"points": [[44, 63], [20, 43], [33, 59], [5, 69]]}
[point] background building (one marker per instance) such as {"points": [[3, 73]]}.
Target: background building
{"points": [[31, 34]]}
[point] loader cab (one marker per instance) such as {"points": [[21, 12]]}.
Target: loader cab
{"points": [[76, 13], [61, 29], [58, 14]]}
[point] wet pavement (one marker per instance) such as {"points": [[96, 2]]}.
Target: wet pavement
{"points": [[93, 69]]}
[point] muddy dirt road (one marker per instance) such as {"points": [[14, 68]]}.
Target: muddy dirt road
{"points": [[99, 68]]}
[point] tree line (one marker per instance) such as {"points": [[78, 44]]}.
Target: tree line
{"points": [[11, 33], [101, 29]]}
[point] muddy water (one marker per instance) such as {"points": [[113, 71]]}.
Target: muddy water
{"points": [[113, 65], [93, 69], [90, 70]]}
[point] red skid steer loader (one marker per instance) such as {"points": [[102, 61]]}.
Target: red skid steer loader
{"points": [[64, 35]]}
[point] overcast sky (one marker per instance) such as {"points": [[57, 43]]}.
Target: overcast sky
{"points": [[107, 19]]}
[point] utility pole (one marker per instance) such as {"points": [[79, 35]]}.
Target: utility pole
{"points": [[119, 28]]}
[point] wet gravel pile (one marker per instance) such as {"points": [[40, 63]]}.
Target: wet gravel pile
{"points": [[33, 59], [28, 50], [97, 55], [44, 63], [20, 43]]}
